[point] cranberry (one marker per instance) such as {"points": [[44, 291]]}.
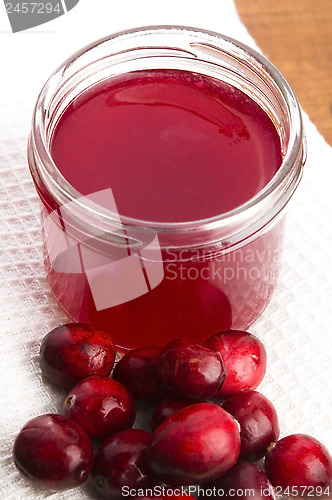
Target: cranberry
{"points": [[258, 422], [244, 481], [299, 460], [137, 370], [122, 461], [53, 451], [75, 351], [102, 406], [191, 370], [166, 408], [197, 443], [244, 357]]}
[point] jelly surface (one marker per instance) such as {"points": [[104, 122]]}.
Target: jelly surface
{"points": [[173, 146]]}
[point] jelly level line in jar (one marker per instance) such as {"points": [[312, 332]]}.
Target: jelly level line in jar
{"points": [[174, 146]]}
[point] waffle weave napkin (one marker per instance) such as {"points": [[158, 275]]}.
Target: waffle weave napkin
{"points": [[295, 327]]}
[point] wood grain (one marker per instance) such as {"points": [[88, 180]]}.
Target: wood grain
{"points": [[296, 35]]}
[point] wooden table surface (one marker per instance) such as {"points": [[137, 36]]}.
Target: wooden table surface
{"points": [[296, 35]]}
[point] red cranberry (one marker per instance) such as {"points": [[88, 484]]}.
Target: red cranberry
{"points": [[53, 451], [243, 482], [122, 461], [299, 460], [258, 422], [74, 351], [137, 370], [191, 370], [244, 357], [166, 408], [102, 406], [196, 444]]}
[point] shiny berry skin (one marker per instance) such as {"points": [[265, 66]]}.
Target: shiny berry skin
{"points": [[137, 370], [122, 460], [53, 451], [102, 406], [244, 357], [74, 351], [196, 444], [258, 421], [190, 370], [299, 460], [166, 408], [244, 481]]}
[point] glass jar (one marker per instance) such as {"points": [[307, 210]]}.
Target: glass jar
{"points": [[148, 282]]}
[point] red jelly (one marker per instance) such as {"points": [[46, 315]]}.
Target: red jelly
{"points": [[164, 161], [173, 146]]}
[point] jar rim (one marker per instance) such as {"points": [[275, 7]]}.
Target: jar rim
{"points": [[276, 193]]}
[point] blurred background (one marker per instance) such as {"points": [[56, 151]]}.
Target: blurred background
{"points": [[297, 38]]}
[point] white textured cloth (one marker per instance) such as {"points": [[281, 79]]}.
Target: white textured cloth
{"points": [[296, 326]]}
